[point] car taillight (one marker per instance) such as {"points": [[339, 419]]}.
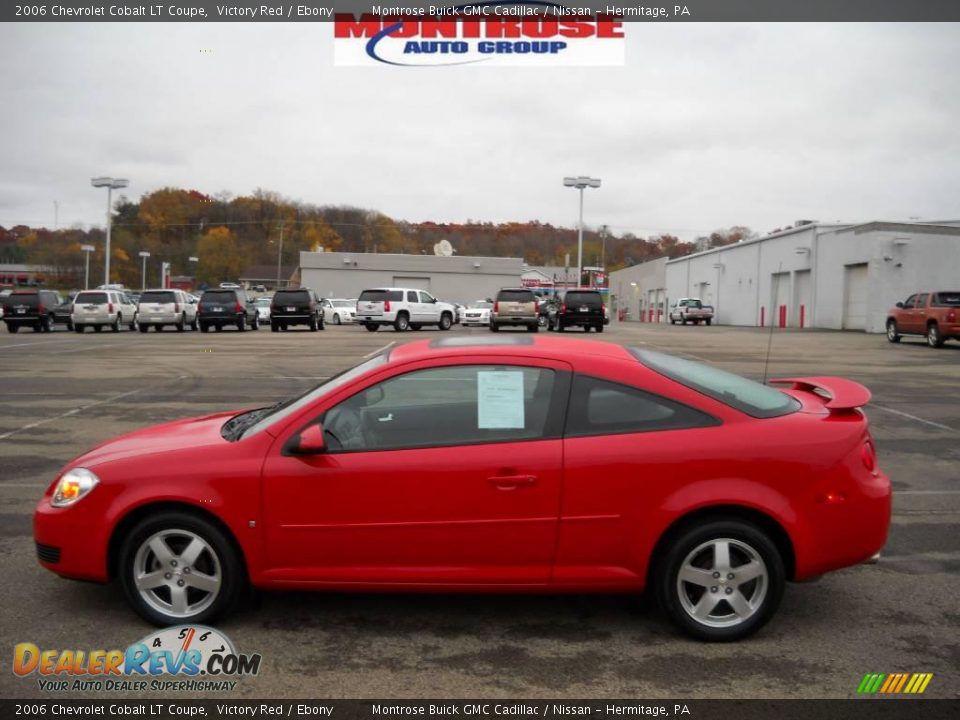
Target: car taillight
{"points": [[239, 307], [603, 308], [110, 308], [868, 454], [496, 307], [176, 307], [952, 316], [386, 306], [536, 306], [563, 307], [42, 309]]}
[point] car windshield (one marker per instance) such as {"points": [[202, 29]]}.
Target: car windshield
{"points": [[263, 302], [747, 396], [250, 423]]}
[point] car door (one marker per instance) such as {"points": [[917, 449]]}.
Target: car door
{"points": [[907, 317], [920, 313], [429, 307], [438, 474]]}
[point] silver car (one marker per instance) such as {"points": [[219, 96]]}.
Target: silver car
{"points": [[103, 308], [166, 306]]}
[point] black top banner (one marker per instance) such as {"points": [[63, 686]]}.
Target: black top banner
{"points": [[627, 10]]}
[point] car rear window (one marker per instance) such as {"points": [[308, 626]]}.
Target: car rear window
{"points": [[747, 396], [590, 299], [22, 298], [519, 296], [219, 297], [946, 299], [381, 295], [91, 298], [159, 296], [285, 296]]}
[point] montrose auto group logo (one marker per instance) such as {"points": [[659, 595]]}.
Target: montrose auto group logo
{"points": [[499, 33], [185, 658]]}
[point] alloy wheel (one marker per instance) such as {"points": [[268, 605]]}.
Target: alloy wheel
{"points": [[722, 583], [177, 573]]}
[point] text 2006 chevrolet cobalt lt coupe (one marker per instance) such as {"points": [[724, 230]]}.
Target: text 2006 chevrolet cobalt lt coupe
{"points": [[471, 464]]}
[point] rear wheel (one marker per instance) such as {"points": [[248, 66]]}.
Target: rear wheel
{"points": [[177, 567], [600, 327], [274, 327], [13, 327], [37, 326], [182, 325], [136, 322], [372, 327], [542, 321], [892, 334], [720, 581], [115, 326], [76, 328], [241, 323], [98, 328], [218, 328], [934, 339], [401, 323], [145, 328], [533, 328], [48, 323], [708, 321], [255, 325], [204, 327], [494, 327], [70, 325], [313, 324]]}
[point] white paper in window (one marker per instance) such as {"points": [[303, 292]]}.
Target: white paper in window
{"points": [[499, 400]]}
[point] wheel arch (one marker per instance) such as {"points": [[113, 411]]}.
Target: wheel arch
{"points": [[135, 515], [777, 533]]}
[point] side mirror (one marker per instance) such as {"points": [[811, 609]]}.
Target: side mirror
{"points": [[309, 442], [371, 396], [899, 304]]}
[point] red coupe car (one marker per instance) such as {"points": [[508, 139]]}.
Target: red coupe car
{"points": [[472, 464]]}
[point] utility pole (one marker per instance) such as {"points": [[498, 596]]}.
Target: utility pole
{"points": [[603, 248], [279, 255]]}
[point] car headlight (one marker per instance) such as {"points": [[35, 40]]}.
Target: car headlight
{"points": [[72, 486]]}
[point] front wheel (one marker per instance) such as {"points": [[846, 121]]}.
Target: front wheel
{"points": [[178, 567], [336, 319], [542, 321], [446, 322], [708, 321], [720, 581], [892, 334]]}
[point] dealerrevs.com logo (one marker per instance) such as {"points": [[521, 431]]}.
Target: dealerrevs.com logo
{"points": [[500, 33]]}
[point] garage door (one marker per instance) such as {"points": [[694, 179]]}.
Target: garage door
{"points": [[404, 281], [855, 297]]}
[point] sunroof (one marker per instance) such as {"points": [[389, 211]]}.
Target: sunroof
{"points": [[481, 341]]}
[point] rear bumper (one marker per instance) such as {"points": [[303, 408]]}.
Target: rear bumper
{"points": [[93, 319], [500, 321], [159, 318]]}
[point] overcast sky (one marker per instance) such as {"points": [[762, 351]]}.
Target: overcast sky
{"points": [[706, 126]]}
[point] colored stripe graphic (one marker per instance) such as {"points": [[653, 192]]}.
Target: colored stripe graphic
{"points": [[894, 683]]}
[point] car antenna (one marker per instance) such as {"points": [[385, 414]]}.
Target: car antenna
{"points": [[766, 361]]}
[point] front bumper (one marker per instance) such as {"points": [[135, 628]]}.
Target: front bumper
{"points": [[72, 541]]}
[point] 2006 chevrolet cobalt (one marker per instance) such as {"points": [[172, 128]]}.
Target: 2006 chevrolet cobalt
{"points": [[470, 464]]}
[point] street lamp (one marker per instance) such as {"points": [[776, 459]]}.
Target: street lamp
{"points": [[87, 249], [110, 184], [143, 274], [580, 182]]}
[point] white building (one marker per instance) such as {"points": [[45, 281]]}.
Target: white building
{"points": [[816, 275]]}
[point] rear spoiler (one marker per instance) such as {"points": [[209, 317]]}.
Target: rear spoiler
{"points": [[842, 394]]}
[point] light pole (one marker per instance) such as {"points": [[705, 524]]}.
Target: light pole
{"points": [[279, 255], [87, 249], [110, 184], [143, 274], [580, 182]]}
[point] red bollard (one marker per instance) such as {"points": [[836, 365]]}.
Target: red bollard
{"points": [[802, 314], [783, 316], [763, 312]]}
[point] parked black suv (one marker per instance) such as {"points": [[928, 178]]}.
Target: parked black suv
{"points": [[296, 306], [30, 308], [226, 306], [583, 308]]}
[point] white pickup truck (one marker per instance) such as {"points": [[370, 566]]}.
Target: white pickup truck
{"points": [[691, 310]]}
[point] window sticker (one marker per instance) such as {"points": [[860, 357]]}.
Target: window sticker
{"points": [[499, 400]]}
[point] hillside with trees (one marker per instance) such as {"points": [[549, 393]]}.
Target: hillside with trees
{"points": [[228, 234]]}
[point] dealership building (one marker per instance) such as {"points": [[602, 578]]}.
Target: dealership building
{"points": [[452, 278], [836, 276]]}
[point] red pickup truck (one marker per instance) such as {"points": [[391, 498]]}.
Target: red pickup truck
{"points": [[935, 315]]}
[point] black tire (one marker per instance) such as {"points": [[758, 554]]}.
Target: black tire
{"points": [[372, 327], [672, 321], [158, 328], [313, 324], [708, 321], [195, 325], [274, 327], [47, 325], [13, 328], [115, 326], [241, 323], [135, 325], [146, 328], [402, 322], [98, 328], [559, 326], [692, 546], [934, 338], [543, 321], [219, 556], [182, 325], [336, 319], [321, 323], [600, 327], [204, 327], [37, 326], [494, 327], [255, 324], [892, 334], [70, 325], [533, 328], [446, 321], [76, 328], [218, 328]]}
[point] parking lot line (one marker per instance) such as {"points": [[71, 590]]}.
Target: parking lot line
{"points": [[377, 352], [30, 344], [912, 417], [68, 413]]}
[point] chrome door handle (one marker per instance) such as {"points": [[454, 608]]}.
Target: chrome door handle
{"points": [[385, 418]]}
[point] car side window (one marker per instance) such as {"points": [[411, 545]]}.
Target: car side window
{"points": [[412, 296], [437, 407], [426, 297], [601, 407], [922, 300], [908, 303]]}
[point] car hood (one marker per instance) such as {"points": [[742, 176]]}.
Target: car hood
{"points": [[167, 437]]}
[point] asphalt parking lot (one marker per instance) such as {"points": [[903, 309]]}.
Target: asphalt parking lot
{"points": [[62, 393]]}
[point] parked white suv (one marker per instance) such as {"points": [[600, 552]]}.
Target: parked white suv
{"points": [[166, 307], [103, 308], [404, 308], [338, 310]]}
